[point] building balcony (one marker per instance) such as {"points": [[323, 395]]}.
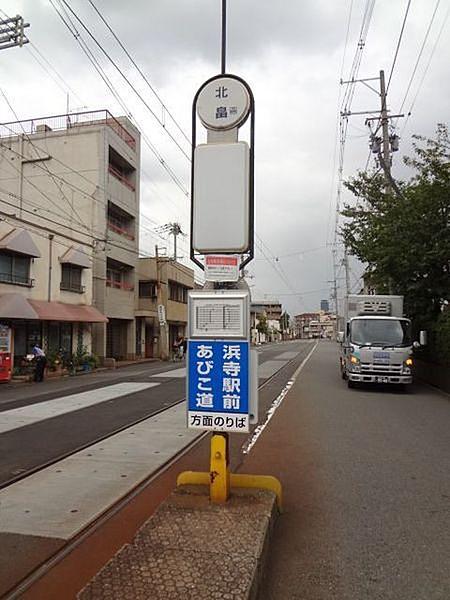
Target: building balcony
{"points": [[120, 285], [14, 279], [121, 231], [72, 287], [118, 175]]}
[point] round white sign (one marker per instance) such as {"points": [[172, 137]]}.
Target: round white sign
{"points": [[223, 104]]}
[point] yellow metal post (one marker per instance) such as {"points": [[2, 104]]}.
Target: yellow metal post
{"points": [[219, 473]]}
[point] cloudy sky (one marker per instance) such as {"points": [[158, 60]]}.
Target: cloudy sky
{"points": [[292, 53]]}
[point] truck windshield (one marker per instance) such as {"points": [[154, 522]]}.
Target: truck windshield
{"points": [[381, 332]]}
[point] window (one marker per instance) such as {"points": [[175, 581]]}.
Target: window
{"points": [[121, 169], [120, 221], [71, 278], [119, 275], [178, 292], [15, 269], [380, 332], [60, 337], [147, 289]]}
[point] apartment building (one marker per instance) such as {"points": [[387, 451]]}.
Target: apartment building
{"points": [[271, 312], [69, 204], [163, 282], [320, 324]]}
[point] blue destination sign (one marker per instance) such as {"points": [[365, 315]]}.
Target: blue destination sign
{"points": [[218, 385]]}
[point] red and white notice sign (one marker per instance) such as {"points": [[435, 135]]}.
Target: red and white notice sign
{"points": [[221, 267]]}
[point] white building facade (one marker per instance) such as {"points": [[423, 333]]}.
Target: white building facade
{"points": [[69, 209]]}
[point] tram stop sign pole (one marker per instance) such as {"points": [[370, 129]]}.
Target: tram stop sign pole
{"points": [[222, 370]]}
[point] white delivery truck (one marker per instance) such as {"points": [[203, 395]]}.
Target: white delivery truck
{"points": [[376, 345]]}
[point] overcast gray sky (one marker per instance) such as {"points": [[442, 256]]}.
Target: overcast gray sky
{"points": [[291, 54]]}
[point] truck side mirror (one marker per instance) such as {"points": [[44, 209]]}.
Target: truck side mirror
{"points": [[423, 338], [340, 337]]}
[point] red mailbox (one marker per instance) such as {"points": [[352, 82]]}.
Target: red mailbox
{"points": [[5, 353]]}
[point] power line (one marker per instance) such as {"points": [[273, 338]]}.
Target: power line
{"points": [[125, 78], [398, 45], [336, 129], [91, 197], [419, 56], [93, 60], [426, 68], [139, 70], [343, 126], [298, 253], [79, 174], [44, 165]]}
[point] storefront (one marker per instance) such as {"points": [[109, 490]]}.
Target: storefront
{"points": [[57, 327]]}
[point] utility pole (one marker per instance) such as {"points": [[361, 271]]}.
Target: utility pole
{"points": [[162, 322], [347, 271], [175, 231], [172, 229], [385, 130]]}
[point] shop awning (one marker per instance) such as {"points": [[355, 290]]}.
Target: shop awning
{"points": [[76, 256], [20, 241], [60, 311], [15, 306]]}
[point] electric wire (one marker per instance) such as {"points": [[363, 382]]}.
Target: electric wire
{"points": [[139, 70], [44, 165], [91, 57], [343, 126], [87, 195], [419, 57], [398, 45], [426, 69], [125, 78]]}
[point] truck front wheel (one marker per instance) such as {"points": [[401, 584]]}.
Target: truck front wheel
{"points": [[351, 384]]}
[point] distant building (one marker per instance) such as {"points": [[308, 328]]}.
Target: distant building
{"points": [[271, 312], [315, 325], [325, 305], [175, 280]]}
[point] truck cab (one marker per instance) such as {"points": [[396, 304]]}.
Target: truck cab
{"points": [[376, 345]]}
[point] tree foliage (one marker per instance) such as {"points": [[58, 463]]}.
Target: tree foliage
{"points": [[405, 237], [262, 325]]}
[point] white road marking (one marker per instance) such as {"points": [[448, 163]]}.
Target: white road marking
{"points": [[275, 404], [286, 355], [174, 373], [268, 368], [27, 415], [60, 500]]}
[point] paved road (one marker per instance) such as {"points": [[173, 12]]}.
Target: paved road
{"points": [[366, 478]]}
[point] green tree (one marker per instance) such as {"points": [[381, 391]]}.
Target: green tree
{"points": [[404, 235], [262, 325]]}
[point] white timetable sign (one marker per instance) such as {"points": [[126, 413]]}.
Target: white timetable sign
{"points": [[220, 314]]}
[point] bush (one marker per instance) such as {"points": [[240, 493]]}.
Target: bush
{"points": [[441, 338], [438, 346]]}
